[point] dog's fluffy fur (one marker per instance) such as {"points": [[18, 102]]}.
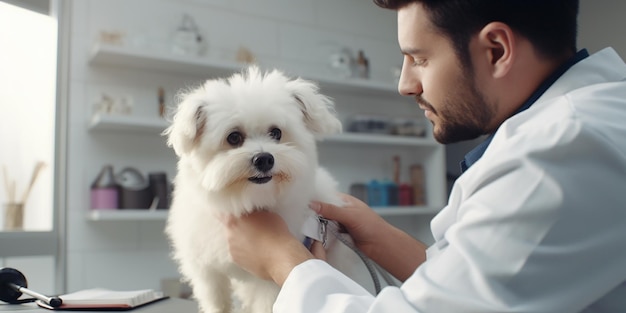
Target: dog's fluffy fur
{"points": [[244, 143]]}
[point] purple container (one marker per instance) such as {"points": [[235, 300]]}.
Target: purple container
{"points": [[104, 198], [104, 191]]}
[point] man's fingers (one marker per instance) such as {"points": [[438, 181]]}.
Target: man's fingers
{"points": [[336, 213], [326, 210], [318, 251]]}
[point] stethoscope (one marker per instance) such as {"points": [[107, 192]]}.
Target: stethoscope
{"points": [[13, 284]]}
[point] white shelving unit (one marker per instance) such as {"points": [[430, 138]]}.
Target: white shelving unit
{"points": [[166, 63]]}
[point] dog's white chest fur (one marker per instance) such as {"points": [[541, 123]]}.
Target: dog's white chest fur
{"points": [[244, 144]]}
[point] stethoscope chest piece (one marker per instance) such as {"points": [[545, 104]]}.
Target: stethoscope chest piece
{"points": [[10, 276]]}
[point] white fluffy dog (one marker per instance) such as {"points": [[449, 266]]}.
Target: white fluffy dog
{"points": [[244, 143]]}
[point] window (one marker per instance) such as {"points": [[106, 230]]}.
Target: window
{"points": [[29, 232]]}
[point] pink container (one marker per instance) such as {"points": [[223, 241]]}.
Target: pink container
{"points": [[104, 198]]}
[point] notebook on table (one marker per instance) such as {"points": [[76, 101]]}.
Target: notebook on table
{"points": [[105, 300]]}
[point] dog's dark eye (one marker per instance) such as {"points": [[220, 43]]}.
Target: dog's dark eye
{"points": [[275, 133], [235, 139]]}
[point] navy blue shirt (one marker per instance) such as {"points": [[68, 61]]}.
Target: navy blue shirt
{"points": [[476, 153]]}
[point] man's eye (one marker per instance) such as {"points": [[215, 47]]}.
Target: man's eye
{"points": [[419, 62], [276, 134], [235, 139]]}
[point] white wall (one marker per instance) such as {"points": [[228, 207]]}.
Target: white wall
{"points": [[294, 34], [601, 24]]}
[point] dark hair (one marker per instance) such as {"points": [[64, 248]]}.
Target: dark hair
{"points": [[550, 25]]}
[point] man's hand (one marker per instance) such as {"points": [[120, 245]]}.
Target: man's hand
{"points": [[366, 227], [393, 249], [260, 242]]}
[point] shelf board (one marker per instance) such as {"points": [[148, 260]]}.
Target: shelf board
{"points": [[127, 215], [377, 139], [161, 215], [119, 56], [124, 57], [356, 86], [405, 210], [106, 122]]}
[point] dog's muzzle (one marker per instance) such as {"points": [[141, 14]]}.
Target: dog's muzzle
{"points": [[263, 162]]}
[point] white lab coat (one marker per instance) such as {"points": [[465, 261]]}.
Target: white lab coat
{"points": [[538, 224]]}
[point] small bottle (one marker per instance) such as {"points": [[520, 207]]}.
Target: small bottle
{"points": [[359, 191], [362, 65], [104, 190], [405, 195], [161, 97], [417, 182], [390, 192], [187, 39], [375, 194]]}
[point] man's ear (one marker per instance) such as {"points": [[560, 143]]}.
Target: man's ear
{"points": [[188, 123], [497, 41]]}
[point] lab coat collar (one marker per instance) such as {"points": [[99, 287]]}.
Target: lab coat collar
{"points": [[475, 154]]}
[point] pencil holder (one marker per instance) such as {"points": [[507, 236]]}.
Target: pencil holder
{"points": [[13, 216]]}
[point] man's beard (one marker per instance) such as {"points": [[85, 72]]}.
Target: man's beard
{"points": [[464, 115]]}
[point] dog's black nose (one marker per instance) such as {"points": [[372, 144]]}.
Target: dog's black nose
{"points": [[263, 161]]}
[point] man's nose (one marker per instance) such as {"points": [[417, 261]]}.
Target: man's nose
{"points": [[409, 83]]}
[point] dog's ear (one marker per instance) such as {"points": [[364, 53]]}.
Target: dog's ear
{"points": [[318, 110], [188, 122]]}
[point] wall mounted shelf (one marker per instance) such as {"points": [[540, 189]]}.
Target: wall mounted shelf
{"points": [[161, 215], [105, 122], [127, 215], [119, 56], [155, 125]]}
